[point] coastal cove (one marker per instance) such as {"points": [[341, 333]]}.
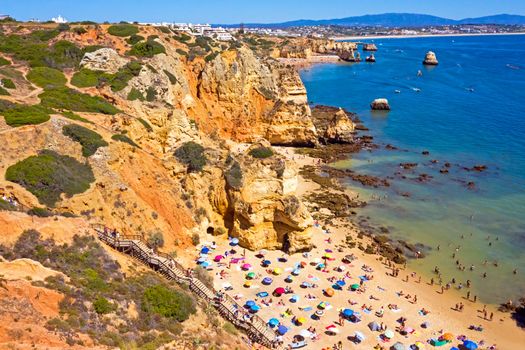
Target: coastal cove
{"points": [[467, 112]]}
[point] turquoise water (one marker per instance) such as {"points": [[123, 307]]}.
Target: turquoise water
{"points": [[470, 110]]}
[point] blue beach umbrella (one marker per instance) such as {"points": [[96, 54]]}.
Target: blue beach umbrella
{"points": [[273, 322], [205, 264], [294, 298], [255, 308], [341, 283], [234, 241], [266, 262], [348, 312], [267, 280], [296, 272], [470, 345], [288, 279], [250, 303], [282, 330], [205, 250]]}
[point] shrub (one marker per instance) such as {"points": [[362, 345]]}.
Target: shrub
{"points": [[40, 212], [165, 30], [155, 239], [132, 40], [65, 98], [234, 175], [5, 205], [195, 239], [147, 48], [135, 94], [49, 174], [167, 303], [20, 115], [123, 30], [79, 30], [171, 77], [261, 152], [125, 139], [4, 92], [86, 78], [103, 306], [89, 139], [73, 116], [182, 37], [211, 57], [47, 78], [182, 52], [4, 62], [8, 83], [151, 94], [191, 154], [146, 125]]}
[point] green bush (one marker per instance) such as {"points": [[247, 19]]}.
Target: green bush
{"points": [[125, 139], [234, 175], [89, 139], [155, 239], [211, 57], [50, 174], [135, 94], [5, 205], [191, 154], [147, 48], [171, 77], [69, 99], [103, 306], [195, 239], [4, 62], [146, 125], [182, 37], [40, 212], [123, 30], [151, 94], [165, 30], [118, 81], [168, 303], [4, 92], [20, 115], [261, 152], [8, 83], [74, 116], [182, 52], [79, 30], [132, 40], [47, 78], [86, 78]]}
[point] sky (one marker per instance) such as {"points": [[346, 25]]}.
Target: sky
{"points": [[237, 11]]}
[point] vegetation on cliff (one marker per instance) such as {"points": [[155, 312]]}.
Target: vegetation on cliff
{"points": [[4, 62], [69, 99], [8, 83], [191, 154], [118, 81], [125, 139], [49, 174], [261, 152], [46, 78], [123, 30], [90, 140], [97, 293], [148, 48], [19, 115]]}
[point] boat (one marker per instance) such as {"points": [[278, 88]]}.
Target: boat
{"points": [[397, 91], [416, 89]]}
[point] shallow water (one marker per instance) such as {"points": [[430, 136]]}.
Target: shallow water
{"points": [[456, 125]]}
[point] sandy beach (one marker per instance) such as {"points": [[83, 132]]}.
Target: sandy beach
{"points": [[380, 298], [372, 37]]}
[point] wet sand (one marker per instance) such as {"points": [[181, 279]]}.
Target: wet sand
{"points": [[379, 292]]}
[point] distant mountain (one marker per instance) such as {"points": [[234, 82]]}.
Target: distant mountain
{"points": [[393, 20]]}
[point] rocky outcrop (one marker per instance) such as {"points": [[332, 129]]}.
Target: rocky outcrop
{"points": [[333, 125], [369, 47], [105, 59], [430, 59], [380, 104], [331, 46], [264, 211]]}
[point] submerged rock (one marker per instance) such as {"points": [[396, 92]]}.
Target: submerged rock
{"points": [[380, 104], [430, 59]]}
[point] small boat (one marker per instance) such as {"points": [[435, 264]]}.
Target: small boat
{"points": [[397, 91], [370, 58], [416, 89], [470, 89], [419, 73]]}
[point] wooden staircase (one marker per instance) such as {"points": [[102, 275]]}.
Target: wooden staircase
{"points": [[256, 329]]}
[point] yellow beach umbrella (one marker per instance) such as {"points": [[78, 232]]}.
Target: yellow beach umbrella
{"points": [[248, 284], [448, 336], [420, 345], [301, 320], [277, 271]]}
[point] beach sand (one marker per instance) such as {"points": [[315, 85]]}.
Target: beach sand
{"points": [[502, 330]]}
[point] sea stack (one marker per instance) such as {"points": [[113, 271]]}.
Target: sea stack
{"points": [[430, 59], [369, 47], [380, 104]]}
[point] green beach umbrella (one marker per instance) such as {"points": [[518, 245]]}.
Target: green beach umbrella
{"points": [[250, 275], [355, 286]]}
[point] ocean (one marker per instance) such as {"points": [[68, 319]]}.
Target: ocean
{"points": [[469, 110]]}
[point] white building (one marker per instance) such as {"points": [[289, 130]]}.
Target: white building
{"points": [[59, 19], [3, 17]]}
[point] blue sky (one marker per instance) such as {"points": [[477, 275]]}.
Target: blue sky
{"points": [[235, 11]]}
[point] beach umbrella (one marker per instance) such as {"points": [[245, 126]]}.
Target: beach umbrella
{"points": [[266, 262], [201, 260], [282, 330], [420, 346], [279, 291], [273, 322], [205, 264], [205, 250], [348, 312], [341, 268], [448, 336], [218, 258], [389, 334], [398, 346], [296, 272], [355, 286], [250, 275], [327, 256], [321, 305], [246, 266], [262, 294], [374, 326], [470, 345], [255, 308], [250, 303], [360, 336], [263, 252], [301, 321], [234, 242], [320, 266], [316, 261], [341, 283], [248, 284], [277, 271], [303, 264], [289, 279], [332, 329], [294, 298], [319, 313], [267, 280]]}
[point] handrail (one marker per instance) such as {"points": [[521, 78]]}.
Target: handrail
{"points": [[255, 323]]}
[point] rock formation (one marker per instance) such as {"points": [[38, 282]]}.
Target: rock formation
{"points": [[430, 59], [380, 104], [333, 124], [369, 47], [105, 59]]}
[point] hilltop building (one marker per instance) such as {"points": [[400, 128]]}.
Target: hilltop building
{"points": [[59, 19]]}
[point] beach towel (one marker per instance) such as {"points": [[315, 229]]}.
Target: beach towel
{"points": [[306, 308], [363, 278]]}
